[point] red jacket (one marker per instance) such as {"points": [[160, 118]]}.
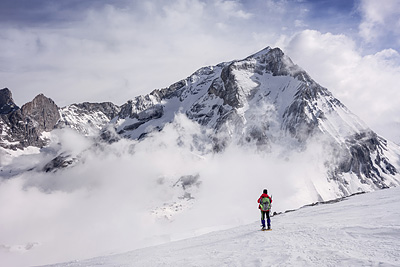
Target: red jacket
{"points": [[262, 196]]}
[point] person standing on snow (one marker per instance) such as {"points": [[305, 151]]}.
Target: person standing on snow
{"points": [[265, 207]]}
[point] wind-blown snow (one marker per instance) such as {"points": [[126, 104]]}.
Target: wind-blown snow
{"points": [[363, 230]]}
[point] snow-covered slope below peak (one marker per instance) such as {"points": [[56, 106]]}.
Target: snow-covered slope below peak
{"points": [[363, 230]]}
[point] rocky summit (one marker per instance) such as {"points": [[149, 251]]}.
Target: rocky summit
{"points": [[7, 104], [23, 127], [262, 101]]}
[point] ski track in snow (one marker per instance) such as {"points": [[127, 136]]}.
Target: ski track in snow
{"points": [[363, 230]]}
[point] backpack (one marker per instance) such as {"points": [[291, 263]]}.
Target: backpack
{"points": [[265, 204]]}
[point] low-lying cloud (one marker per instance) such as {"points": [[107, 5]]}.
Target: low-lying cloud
{"points": [[109, 200]]}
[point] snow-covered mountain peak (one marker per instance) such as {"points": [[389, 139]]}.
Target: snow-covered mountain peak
{"points": [[262, 53], [265, 100], [261, 101]]}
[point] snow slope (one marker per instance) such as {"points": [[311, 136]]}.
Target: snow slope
{"points": [[362, 230]]}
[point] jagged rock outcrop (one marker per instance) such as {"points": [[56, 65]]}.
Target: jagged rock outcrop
{"points": [[59, 162], [7, 104], [41, 113], [107, 108], [22, 127], [365, 158]]}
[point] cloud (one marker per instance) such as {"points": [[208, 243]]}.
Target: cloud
{"points": [[104, 204], [366, 84], [379, 20], [130, 48], [114, 52], [232, 9]]}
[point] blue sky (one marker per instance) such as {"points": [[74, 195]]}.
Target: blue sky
{"points": [[98, 50]]}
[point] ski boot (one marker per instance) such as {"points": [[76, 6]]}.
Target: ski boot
{"points": [[263, 225]]}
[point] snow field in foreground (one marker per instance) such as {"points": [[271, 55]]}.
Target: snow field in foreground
{"points": [[363, 230]]}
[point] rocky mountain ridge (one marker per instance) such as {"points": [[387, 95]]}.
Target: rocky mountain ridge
{"points": [[23, 127], [260, 101]]}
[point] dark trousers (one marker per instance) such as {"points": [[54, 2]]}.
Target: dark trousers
{"points": [[263, 215]]}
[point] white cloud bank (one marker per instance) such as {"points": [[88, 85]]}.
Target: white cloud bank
{"points": [[103, 205]]}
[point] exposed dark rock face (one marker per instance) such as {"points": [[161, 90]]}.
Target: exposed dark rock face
{"points": [[366, 158], [107, 108], [7, 104], [138, 107], [153, 112], [301, 118], [23, 127], [276, 62], [174, 90], [41, 113], [59, 162], [109, 135], [230, 91]]}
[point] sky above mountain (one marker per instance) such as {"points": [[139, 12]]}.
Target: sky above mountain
{"points": [[97, 50]]}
